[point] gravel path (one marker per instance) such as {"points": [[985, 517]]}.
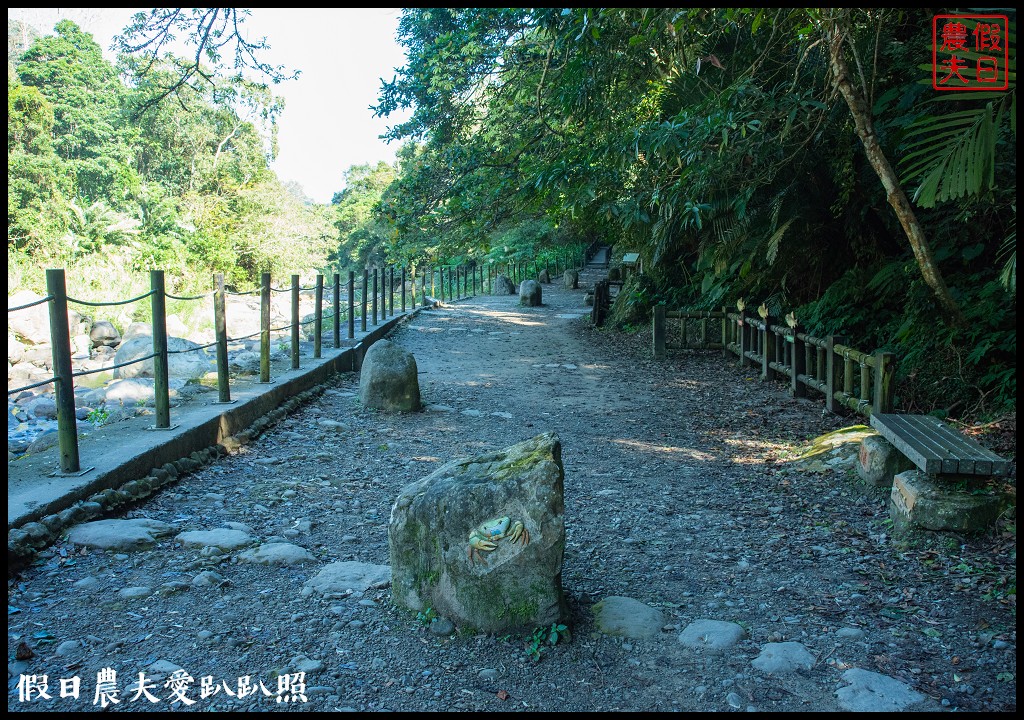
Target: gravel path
{"points": [[679, 494]]}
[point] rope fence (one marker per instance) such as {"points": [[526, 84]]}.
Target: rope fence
{"points": [[375, 298]]}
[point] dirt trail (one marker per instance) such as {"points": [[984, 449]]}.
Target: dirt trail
{"points": [[678, 494]]}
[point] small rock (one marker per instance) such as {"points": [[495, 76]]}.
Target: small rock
{"points": [[442, 627]]}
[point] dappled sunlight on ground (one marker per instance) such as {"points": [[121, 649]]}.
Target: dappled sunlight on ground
{"points": [[663, 449], [505, 316]]}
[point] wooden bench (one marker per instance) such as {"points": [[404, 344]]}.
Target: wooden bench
{"points": [[936, 448]]}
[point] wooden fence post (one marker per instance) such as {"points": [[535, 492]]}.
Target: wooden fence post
{"points": [[659, 332], [798, 365], [768, 349], [318, 314], [831, 371], [220, 329], [63, 382], [295, 322], [375, 272], [265, 327], [742, 330], [884, 387], [337, 310], [363, 299], [725, 332], [159, 300], [351, 305]]}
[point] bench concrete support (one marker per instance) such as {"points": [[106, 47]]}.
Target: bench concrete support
{"points": [[878, 462], [920, 502]]}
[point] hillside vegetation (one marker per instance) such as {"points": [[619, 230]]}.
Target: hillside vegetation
{"points": [[795, 158]]}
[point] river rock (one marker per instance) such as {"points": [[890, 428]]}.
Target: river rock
{"points": [[186, 361], [626, 617], [711, 635], [480, 540], [388, 379], [342, 577], [134, 534], [783, 657], [873, 692], [103, 332], [222, 538], [31, 325]]}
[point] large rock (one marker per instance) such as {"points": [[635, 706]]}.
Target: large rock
{"points": [[184, 359], [529, 293], [388, 379], [124, 535], [543, 276], [571, 280], [32, 325], [439, 555], [503, 286]]}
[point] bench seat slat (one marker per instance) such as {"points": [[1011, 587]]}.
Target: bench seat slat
{"points": [[937, 448]]}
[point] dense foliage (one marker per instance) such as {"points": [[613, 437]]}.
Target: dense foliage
{"points": [[109, 185], [797, 158], [727, 146]]}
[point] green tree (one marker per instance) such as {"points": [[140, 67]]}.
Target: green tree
{"points": [[88, 101], [38, 184]]}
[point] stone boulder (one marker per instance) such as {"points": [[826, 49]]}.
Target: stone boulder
{"points": [[480, 540], [529, 293], [878, 462], [15, 350], [103, 332], [31, 325], [571, 280], [184, 359], [503, 286], [388, 379], [543, 276]]}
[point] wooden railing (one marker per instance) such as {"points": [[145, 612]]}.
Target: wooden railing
{"points": [[846, 377]]}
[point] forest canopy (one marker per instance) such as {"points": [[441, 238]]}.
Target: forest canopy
{"points": [[796, 158]]}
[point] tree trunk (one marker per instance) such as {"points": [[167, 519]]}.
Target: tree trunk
{"points": [[894, 191]]}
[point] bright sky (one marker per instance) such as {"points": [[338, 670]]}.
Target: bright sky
{"points": [[326, 126]]}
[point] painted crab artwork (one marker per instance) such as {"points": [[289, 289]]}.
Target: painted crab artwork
{"points": [[485, 537]]}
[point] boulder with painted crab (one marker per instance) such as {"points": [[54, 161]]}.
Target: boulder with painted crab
{"points": [[480, 540]]}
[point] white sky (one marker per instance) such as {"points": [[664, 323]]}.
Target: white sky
{"points": [[326, 126]]}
